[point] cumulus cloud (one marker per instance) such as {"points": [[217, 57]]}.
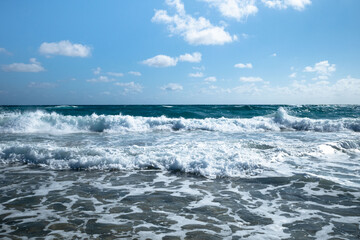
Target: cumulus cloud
{"points": [[196, 75], [103, 79], [210, 79], [238, 9], [138, 74], [161, 61], [242, 9], [195, 31], [283, 4], [251, 79], [115, 74], [65, 48], [130, 87], [172, 87], [194, 58], [243, 65], [323, 69], [167, 61], [33, 66]]}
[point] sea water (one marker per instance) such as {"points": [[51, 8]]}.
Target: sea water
{"points": [[180, 172]]}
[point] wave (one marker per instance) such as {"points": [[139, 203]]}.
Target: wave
{"points": [[240, 158], [62, 107], [54, 123], [211, 160]]}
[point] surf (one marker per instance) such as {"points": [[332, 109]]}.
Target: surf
{"points": [[54, 123]]}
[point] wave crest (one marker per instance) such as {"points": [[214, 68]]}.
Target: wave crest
{"points": [[43, 122]]}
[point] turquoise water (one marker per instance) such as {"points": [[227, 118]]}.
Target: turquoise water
{"points": [[198, 111], [179, 171]]}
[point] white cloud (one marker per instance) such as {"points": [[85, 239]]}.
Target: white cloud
{"points": [[238, 9], [97, 71], [274, 55], [138, 74], [172, 87], [293, 75], [196, 75], [104, 79], [283, 4], [251, 79], [115, 74], [130, 87], [242, 65], [343, 91], [194, 58], [210, 79], [195, 31], [33, 66], [323, 69], [167, 61], [65, 48], [160, 61], [4, 51], [178, 5], [321, 77]]}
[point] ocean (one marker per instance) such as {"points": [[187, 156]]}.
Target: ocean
{"points": [[180, 172]]}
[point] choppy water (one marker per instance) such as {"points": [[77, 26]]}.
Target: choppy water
{"points": [[175, 172]]}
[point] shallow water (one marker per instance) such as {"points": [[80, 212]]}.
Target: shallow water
{"points": [[37, 202], [180, 172]]}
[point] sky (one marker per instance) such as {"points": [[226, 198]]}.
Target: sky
{"points": [[179, 52]]}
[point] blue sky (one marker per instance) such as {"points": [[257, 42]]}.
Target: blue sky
{"points": [[179, 52]]}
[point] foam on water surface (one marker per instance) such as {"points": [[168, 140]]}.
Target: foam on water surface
{"points": [[54, 123], [206, 154], [288, 172], [155, 204]]}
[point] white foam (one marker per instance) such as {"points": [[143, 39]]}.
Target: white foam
{"points": [[208, 155], [213, 159], [54, 123]]}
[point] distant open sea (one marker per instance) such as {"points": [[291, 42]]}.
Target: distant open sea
{"points": [[180, 172]]}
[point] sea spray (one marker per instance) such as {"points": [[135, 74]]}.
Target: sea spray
{"points": [[244, 171], [54, 123]]}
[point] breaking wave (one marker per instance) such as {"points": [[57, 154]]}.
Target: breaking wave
{"points": [[54, 123], [211, 160]]}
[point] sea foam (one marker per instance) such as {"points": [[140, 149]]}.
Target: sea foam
{"points": [[54, 123], [214, 159]]}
